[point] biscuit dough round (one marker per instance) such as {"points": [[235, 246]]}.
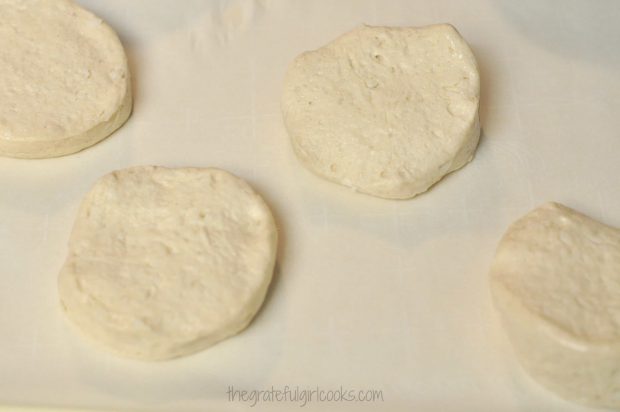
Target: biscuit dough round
{"points": [[556, 281], [166, 262], [64, 79], [386, 111]]}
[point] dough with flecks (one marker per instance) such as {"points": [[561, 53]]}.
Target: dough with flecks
{"points": [[166, 262], [386, 111], [64, 79], [556, 281]]}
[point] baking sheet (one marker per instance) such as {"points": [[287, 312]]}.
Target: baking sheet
{"points": [[369, 293]]}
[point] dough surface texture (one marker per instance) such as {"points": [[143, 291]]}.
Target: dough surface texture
{"points": [[64, 79], [387, 111], [556, 282], [164, 262]]}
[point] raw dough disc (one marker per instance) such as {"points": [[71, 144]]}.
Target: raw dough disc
{"points": [[386, 111], [64, 80], [556, 281], [166, 262]]}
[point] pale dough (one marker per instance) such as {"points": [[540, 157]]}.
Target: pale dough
{"points": [[166, 262], [386, 111], [64, 79], [556, 281]]}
